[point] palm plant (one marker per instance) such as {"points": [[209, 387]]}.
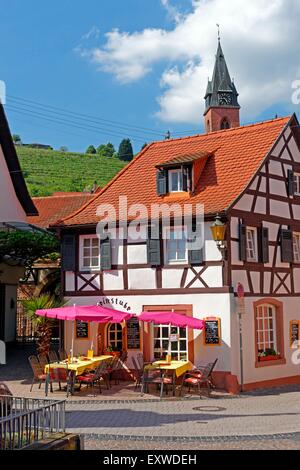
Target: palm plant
{"points": [[43, 325]]}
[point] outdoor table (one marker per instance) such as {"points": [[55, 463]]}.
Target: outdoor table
{"points": [[78, 367], [178, 368]]}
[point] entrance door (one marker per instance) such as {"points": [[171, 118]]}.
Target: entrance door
{"points": [[2, 312]]}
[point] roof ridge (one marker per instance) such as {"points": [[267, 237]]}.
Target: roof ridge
{"points": [[106, 186], [222, 131]]}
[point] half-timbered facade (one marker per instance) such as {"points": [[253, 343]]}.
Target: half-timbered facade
{"points": [[248, 175]]}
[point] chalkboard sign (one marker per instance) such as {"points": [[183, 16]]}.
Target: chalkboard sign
{"points": [[294, 332], [133, 334], [82, 329], [212, 332]]}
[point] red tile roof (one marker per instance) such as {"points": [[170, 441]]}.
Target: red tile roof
{"points": [[53, 208], [237, 155]]}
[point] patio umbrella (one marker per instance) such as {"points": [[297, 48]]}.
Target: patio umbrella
{"points": [[174, 319], [86, 313]]}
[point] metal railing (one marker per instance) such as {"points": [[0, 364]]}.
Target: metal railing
{"points": [[27, 420]]}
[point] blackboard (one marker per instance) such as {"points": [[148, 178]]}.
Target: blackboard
{"points": [[294, 331], [133, 334], [212, 332], [82, 329]]}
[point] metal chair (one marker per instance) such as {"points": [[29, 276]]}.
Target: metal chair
{"points": [[95, 378], [59, 375], [43, 360], [150, 376], [196, 378], [201, 367], [62, 354], [53, 356], [38, 371], [138, 372]]}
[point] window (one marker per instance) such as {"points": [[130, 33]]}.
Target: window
{"points": [[175, 181], [251, 244], [89, 253], [162, 344], [297, 183], [266, 328], [225, 124], [296, 247], [176, 246], [115, 336]]}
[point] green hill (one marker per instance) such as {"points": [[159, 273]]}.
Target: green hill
{"points": [[48, 171]]}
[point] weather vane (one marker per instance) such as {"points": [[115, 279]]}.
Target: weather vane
{"points": [[218, 26]]}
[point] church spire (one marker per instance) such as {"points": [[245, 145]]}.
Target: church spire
{"points": [[221, 93]]}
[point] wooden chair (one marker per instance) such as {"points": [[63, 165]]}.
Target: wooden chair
{"points": [[196, 378], [38, 371], [151, 376], [53, 356], [95, 378]]}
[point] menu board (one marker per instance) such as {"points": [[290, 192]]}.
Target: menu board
{"points": [[82, 329], [212, 332], [294, 332], [133, 334]]}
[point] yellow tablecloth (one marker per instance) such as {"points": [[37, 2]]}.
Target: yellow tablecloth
{"points": [[78, 367], [179, 367]]}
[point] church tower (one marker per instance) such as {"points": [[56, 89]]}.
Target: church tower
{"points": [[222, 110]]}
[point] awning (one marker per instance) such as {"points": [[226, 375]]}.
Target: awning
{"points": [[88, 313], [172, 318]]}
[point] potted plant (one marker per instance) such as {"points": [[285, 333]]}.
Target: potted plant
{"points": [[111, 351], [268, 354]]}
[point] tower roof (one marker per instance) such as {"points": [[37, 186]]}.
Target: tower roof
{"points": [[221, 83]]}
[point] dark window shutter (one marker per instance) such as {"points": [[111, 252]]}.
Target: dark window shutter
{"points": [[185, 179], [291, 183], [243, 243], [153, 250], [286, 246], [195, 256], [105, 254], [68, 253], [162, 182], [263, 238]]}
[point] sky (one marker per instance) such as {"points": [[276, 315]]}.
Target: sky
{"points": [[80, 73]]}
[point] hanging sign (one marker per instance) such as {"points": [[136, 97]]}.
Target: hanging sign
{"points": [[240, 291], [212, 332], [173, 338]]}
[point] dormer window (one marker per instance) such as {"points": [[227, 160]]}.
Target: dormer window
{"points": [[175, 180]]}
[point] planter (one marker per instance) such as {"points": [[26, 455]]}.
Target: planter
{"points": [[112, 353], [268, 358]]}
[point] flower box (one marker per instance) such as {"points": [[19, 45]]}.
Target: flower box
{"points": [[269, 358]]}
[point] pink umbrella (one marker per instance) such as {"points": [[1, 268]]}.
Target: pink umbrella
{"points": [[172, 318]]}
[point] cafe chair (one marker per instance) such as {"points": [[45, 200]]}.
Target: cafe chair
{"points": [[150, 376], [53, 357], [138, 372], [59, 375], [43, 360], [39, 375], [201, 367], [95, 378], [196, 378], [62, 354]]}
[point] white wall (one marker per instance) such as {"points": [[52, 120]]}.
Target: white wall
{"points": [[10, 207], [204, 305]]}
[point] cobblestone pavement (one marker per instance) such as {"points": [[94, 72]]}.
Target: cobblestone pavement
{"points": [[122, 419]]}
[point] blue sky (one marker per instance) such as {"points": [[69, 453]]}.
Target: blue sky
{"points": [[58, 54]]}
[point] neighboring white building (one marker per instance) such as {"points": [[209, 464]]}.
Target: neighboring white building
{"points": [[15, 205]]}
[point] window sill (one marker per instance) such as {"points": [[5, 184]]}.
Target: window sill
{"points": [[276, 362]]}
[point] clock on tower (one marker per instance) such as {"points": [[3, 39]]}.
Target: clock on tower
{"points": [[225, 99]]}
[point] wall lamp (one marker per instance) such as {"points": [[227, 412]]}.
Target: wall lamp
{"points": [[218, 229]]}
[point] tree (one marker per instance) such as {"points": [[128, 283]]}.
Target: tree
{"points": [[64, 148], [144, 146], [91, 149], [110, 150], [125, 150], [43, 325], [17, 139]]}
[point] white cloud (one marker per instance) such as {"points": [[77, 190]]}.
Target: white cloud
{"points": [[259, 38]]}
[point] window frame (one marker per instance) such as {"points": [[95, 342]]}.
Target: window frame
{"points": [[296, 235], [253, 259], [297, 184], [180, 180], [176, 261], [117, 329], [83, 268], [179, 353], [279, 327]]}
